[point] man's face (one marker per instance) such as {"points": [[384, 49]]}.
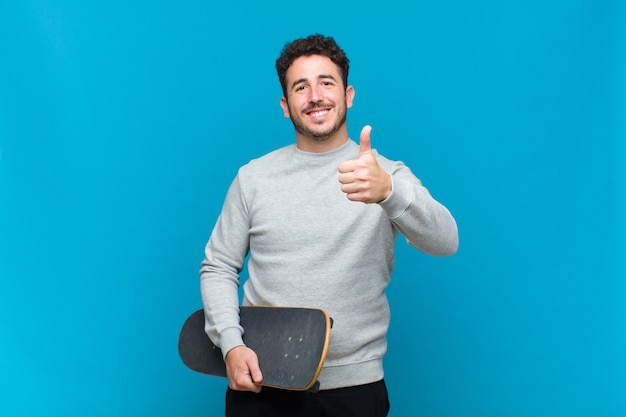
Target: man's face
{"points": [[316, 101]]}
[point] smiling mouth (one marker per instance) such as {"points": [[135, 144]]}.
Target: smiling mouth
{"points": [[318, 110], [318, 113]]}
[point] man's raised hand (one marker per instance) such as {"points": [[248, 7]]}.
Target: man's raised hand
{"points": [[362, 179]]}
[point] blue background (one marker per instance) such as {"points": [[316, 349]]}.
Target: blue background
{"points": [[122, 124]]}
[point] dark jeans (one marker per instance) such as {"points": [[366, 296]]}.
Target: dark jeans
{"points": [[370, 400]]}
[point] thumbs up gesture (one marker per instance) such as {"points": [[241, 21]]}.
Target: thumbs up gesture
{"points": [[362, 179]]}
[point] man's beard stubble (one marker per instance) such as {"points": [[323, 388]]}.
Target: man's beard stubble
{"points": [[319, 136]]}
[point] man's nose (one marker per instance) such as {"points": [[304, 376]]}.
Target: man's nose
{"points": [[315, 94]]}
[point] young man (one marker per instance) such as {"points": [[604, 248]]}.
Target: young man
{"points": [[319, 220]]}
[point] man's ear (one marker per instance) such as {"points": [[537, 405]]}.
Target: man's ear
{"points": [[349, 96], [285, 107]]}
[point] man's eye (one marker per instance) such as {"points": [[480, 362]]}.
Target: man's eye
{"points": [[300, 88]]}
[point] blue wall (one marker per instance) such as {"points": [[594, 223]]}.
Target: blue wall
{"points": [[122, 124]]}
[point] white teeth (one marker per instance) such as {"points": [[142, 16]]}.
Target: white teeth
{"points": [[319, 113]]}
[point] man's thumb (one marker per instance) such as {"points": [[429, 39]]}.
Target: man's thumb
{"points": [[365, 143]]}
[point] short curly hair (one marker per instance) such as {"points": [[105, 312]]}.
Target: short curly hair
{"points": [[312, 45]]}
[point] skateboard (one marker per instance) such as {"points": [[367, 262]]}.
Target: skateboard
{"points": [[290, 342]]}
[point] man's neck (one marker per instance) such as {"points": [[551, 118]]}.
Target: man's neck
{"points": [[313, 145]]}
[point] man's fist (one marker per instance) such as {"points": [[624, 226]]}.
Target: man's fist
{"points": [[242, 369], [362, 179]]}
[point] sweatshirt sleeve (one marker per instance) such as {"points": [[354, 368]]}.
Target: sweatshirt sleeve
{"points": [[425, 223], [224, 258]]}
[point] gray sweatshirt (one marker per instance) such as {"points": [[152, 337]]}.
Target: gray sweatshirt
{"points": [[308, 245]]}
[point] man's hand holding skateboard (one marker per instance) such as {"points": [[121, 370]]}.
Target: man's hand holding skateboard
{"points": [[242, 369], [362, 179]]}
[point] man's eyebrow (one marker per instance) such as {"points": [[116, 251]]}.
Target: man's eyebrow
{"points": [[296, 82], [319, 77], [324, 76]]}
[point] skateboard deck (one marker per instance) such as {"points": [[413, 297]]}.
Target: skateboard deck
{"points": [[290, 342]]}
